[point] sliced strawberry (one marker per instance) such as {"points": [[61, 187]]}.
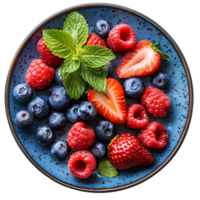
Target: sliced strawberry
{"points": [[141, 60], [111, 104]]}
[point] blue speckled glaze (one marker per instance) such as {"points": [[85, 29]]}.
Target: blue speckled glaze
{"points": [[174, 122]]}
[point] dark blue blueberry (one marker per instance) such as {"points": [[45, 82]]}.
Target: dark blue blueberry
{"points": [[87, 110], [59, 99], [102, 28], [57, 120], [133, 88], [24, 119], [39, 107], [110, 67], [105, 130], [44, 135], [160, 80], [60, 149], [98, 150], [57, 77], [72, 114], [22, 92]]}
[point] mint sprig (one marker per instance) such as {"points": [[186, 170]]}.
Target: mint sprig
{"points": [[82, 65]]}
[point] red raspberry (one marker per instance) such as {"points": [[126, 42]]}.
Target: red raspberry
{"points": [[153, 135], [39, 75], [80, 136], [95, 40], [137, 116], [156, 101], [46, 55], [121, 38], [81, 164]]}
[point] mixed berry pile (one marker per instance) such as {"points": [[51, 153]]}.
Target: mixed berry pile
{"points": [[82, 67]]}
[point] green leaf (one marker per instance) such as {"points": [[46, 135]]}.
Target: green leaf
{"points": [[96, 56], [105, 69], [74, 84], [70, 64], [162, 54], [95, 77], [59, 42], [76, 25], [79, 51], [106, 169], [88, 88]]}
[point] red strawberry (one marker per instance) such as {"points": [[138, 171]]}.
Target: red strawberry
{"points": [[127, 151], [141, 60], [111, 104], [95, 40]]}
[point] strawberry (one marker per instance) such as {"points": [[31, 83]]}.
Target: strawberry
{"points": [[111, 104], [95, 40], [127, 151], [141, 60]]}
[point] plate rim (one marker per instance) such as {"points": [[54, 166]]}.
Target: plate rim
{"points": [[183, 60]]}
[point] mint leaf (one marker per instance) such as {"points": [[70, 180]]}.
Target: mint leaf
{"points": [[96, 56], [106, 169], [59, 42], [79, 51], [88, 88], [74, 84], [70, 64], [105, 69], [95, 77], [76, 25]]}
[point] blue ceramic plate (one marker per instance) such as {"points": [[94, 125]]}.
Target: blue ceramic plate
{"points": [[179, 91]]}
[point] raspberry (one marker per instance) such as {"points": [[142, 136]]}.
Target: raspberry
{"points": [[153, 135], [137, 116], [81, 164], [121, 38], [80, 136], [46, 55], [156, 101], [95, 40], [39, 75]]}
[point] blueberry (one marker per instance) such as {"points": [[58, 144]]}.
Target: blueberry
{"points": [[57, 120], [102, 28], [105, 130], [98, 150], [57, 77], [160, 80], [22, 92], [39, 107], [87, 110], [60, 149], [110, 67], [44, 135], [133, 87], [24, 119], [72, 114], [59, 99]]}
